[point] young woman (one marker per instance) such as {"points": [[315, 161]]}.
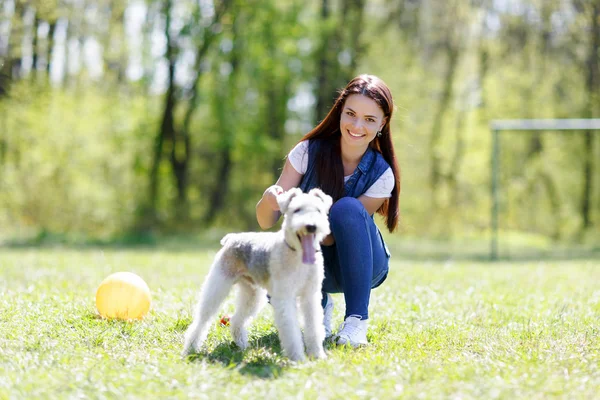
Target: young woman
{"points": [[350, 156]]}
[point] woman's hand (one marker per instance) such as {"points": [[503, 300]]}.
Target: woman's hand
{"points": [[270, 196], [329, 240], [267, 209]]}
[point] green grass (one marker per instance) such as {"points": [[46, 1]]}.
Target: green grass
{"points": [[438, 330]]}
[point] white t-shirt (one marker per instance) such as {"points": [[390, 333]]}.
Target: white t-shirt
{"points": [[382, 188]]}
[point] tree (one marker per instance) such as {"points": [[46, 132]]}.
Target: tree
{"points": [[226, 92], [592, 110], [341, 46], [179, 140]]}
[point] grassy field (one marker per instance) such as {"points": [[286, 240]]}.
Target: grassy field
{"points": [[438, 330]]}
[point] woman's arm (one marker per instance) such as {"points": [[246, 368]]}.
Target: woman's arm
{"points": [[371, 204], [267, 209]]}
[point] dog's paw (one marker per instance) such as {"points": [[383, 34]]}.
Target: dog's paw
{"points": [[239, 334], [240, 337], [316, 353], [242, 344], [318, 356], [187, 351], [192, 342], [296, 356], [190, 347]]}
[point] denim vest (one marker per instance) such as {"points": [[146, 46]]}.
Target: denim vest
{"points": [[371, 166]]}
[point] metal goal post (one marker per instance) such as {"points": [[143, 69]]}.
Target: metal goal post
{"points": [[497, 126]]}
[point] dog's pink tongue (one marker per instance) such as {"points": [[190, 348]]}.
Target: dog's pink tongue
{"points": [[308, 248]]}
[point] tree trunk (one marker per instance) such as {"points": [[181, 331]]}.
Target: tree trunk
{"points": [[438, 120], [219, 193], [65, 60], [166, 131], [457, 158], [35, 46], [51, 31], [15, 47], [323, 86], [179, 140], [180, 155], [115, 58], [352, 22], [3, 144], [226, 105], [588, 168]]}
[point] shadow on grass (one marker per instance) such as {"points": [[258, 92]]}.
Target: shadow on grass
{"points": [[262, 359]]}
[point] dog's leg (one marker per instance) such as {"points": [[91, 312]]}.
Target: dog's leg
{"points": [[286, 321], [214, 290], [314, 331], [250, 299]]}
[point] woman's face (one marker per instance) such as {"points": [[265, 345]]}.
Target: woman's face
{"points": [[361, 119]]}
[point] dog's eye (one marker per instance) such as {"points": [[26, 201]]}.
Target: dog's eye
{"points": [[297, 210]]}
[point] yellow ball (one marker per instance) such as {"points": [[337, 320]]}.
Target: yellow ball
{"points": [[123, 295]]}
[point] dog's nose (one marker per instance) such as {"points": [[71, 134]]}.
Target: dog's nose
{"points": [[311, 228]]}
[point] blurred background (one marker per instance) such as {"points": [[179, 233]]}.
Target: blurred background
{"points": [[128, 121]]}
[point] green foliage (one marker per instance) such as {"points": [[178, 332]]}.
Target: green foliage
{"points": [[531, 81], [75, 157], [75, 162]]}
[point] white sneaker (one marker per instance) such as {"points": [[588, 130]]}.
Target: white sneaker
{"points": [[328, 316], [353, 331]]}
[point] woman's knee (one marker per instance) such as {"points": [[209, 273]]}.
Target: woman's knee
{"points": [[345, 208]]}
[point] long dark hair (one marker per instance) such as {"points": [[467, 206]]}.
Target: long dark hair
{"points": [[330, 170]]}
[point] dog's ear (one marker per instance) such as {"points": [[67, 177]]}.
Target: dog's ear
{"points": [[325, 198], [284, 199]]}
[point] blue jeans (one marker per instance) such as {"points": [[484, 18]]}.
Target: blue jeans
{"points": [[358, 261]]}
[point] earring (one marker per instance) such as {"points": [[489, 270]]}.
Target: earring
{"points": [[379, 133]]}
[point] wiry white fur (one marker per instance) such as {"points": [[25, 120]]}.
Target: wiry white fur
{"points": [[258, 262]]}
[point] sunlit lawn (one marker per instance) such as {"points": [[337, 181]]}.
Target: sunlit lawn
{"points": [[438, 330]]}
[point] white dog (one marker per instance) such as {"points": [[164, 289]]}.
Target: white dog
{"points": [[287, 264]]}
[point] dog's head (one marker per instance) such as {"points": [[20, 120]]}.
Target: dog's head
{"points": [[305, 221]]}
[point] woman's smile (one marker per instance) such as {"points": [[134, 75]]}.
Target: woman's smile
{"points": [[356, 135]]}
